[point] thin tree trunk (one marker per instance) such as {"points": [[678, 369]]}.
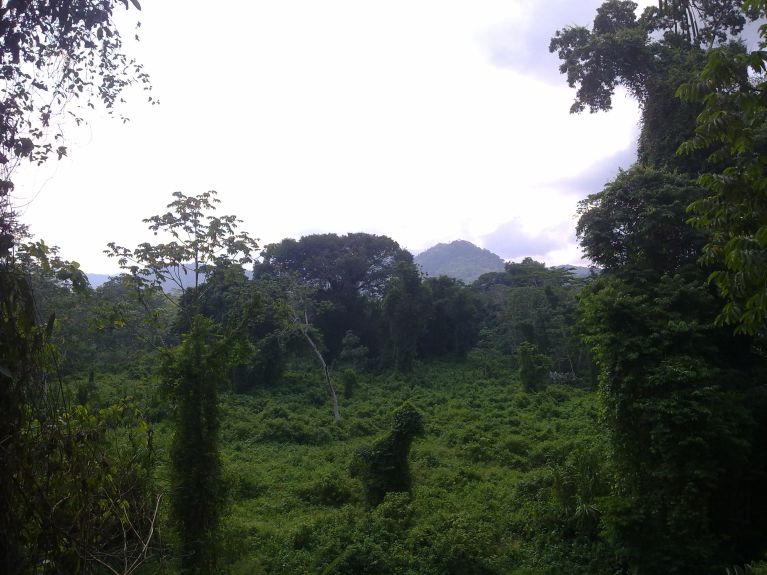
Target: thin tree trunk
{"points": [[326, 371]]}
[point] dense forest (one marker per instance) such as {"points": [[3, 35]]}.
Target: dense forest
{"points": [[318, 405]]}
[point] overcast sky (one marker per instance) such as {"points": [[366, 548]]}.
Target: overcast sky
{"points": [[423, 120]]}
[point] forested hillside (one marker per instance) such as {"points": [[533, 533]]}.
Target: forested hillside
{"points": [[319, 405], [460, 259]]}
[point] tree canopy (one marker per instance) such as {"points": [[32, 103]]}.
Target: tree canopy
{"points": [[731, 128], [51, 55], [649, 55]]}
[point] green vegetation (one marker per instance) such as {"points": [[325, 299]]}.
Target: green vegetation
{"points": [[531, 422], [459, 260], [493, 468]]}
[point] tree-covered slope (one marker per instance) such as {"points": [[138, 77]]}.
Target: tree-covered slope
{"points": [[460, 259]]}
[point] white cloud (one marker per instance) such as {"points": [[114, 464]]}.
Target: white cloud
{"points": [[335, 116]]}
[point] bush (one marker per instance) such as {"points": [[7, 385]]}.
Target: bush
{"points": [[383, 468], [328, 490]]}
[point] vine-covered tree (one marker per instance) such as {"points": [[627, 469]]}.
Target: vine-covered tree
{"points": [[682, 411], [649, 56], [383, 468], [193, 371]]}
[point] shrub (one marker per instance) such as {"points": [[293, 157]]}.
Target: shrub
{"points": [[383, 468]]}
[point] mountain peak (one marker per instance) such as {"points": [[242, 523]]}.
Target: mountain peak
{"points": [[458, 259]]}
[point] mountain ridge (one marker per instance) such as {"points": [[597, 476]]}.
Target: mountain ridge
{"points": [[459, 259]]}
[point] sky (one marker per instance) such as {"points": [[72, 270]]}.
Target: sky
{"points": [[426, 121]]}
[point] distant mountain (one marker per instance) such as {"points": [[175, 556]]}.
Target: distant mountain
{"points": [[460, 259], [579, 272], [97, 279], [168, 286]]}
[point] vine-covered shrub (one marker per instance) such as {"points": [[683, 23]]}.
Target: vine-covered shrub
{"points": [[383, 467], [533, 366]]}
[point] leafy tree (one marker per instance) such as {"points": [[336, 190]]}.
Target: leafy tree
{"points": [[732, 128], [53, 53], [353, 353], [37, 84], [194, 370], [637, 222], [678, 393], [532, 303], [453, 319], [649, 56], [296, 303], [405, 306], [62, 473], [126, 325], [348, 273]]}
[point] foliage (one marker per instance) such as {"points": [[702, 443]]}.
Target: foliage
{"points": [[353, 353], [199, 241], [348, 275], [126, 326], [296, 305], [636, 223], [383, 468], [731, 128], [404, 316], [481, 478], [194, 371], [72, 495], [53, 54], [666, 372], [618, 41], [532, 303], [650, 56], [452, 324], [349, 380], [75, 485], [89, 475], [622, 46], [533, 366]]}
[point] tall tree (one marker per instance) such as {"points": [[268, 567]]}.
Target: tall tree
{"points": [[405, 309], [732, 129], [680, 396], [453, 318], [51, 53], [349, 273], [648, 55], [195, 369]]}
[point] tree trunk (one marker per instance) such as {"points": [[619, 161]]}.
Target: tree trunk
{"points": [[331, 388]]}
